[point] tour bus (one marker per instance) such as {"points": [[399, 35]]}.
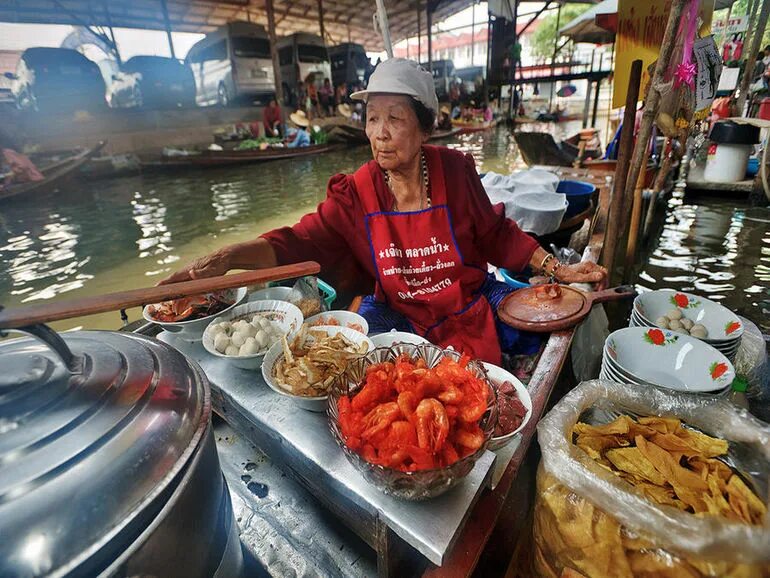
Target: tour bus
{"points": [[232, 64], [349, 64], [300, 55]]}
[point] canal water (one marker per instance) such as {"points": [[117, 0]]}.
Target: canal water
{"points": [[110, 235]]}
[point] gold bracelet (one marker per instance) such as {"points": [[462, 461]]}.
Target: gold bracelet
{"points": [[545, 261]]}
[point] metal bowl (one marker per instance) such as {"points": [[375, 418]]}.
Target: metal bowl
{"points": [[422, 484], [192, 330]]}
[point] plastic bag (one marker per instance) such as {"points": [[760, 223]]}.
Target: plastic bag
{"points": [[535, 178], [306, 296], [590, 521]]}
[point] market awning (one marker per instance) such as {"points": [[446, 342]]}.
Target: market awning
{"points": [[598, 25], [344, 20]]}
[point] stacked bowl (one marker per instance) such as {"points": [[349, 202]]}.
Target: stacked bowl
{"points": [[723, 328], [663, 358]]}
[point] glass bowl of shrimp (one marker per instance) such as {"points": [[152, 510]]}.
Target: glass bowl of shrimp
{"points": [[413, 419]]}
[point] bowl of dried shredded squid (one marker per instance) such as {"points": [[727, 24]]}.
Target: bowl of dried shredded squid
{"points": [[304, 367]]}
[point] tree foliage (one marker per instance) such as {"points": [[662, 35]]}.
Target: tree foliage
{"points": [[544, 35]]}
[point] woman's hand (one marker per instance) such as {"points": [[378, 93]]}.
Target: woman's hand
{"points": [[213, 265], [583, 272]]}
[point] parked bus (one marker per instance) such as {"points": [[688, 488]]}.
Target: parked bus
{"points": [[300, 55], [443, 76], [232, 64], [349, 64]]}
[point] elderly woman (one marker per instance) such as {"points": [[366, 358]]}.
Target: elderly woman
{"points": [[418, 220]]}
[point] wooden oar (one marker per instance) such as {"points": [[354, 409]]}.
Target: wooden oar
{"points": [[58, 310]]}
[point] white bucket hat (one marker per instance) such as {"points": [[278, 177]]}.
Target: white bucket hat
{"points": [[401, 76]]}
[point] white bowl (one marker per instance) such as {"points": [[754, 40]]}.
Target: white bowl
{"points": [[344, 318], [722, 324], [667, 359], [728, 348], [286, 315], [393, 337], [193, 329], [271, 293], [498, 375], [275, 354]]}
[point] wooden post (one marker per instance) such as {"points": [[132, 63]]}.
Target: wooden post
{"points": [[756, 43], [321, 19], [279, 96], [636, 217], [615, 226], [639, 160], [167, 23], [657, 186]]}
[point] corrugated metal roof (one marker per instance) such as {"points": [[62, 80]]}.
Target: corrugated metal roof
{"points": [[344, 20]]}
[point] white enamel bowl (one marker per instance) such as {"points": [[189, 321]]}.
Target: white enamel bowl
{"points": [[391, 338], [275, 354], [192, 330], [668, 359], [498, 375], [723, 325], [271, 293], [287, 316], [343, 318]]}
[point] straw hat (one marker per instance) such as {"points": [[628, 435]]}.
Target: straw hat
{"points": [[299, 118], [345, 110], [445, 110]]}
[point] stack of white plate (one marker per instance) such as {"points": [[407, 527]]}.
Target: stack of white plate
{"points": [[724, 327], [663, 358]]}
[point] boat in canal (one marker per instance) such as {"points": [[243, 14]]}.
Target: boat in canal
{"points": [[471, 127], [219, 158], [55, 173], [540, 148], [354, 134]]}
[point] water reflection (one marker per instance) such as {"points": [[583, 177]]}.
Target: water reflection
{"points": [[717, 249], [109, 235]]}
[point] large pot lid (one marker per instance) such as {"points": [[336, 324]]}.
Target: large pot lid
{"points": [[86, 459]]}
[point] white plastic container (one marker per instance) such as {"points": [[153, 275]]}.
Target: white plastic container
{"points": [[727, 163]]}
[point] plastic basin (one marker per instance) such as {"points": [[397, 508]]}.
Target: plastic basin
{"points": [[578, 195], [512, 281]]}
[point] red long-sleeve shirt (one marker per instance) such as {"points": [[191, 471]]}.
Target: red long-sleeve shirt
{"points": [[337, 230]]}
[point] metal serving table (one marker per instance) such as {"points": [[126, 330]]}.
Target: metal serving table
{"points": [[300, 442]]}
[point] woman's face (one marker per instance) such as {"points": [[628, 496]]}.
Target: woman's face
{"points": [[393, 130]]}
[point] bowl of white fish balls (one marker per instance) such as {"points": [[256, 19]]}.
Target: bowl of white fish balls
{"points": [[245, 333]]}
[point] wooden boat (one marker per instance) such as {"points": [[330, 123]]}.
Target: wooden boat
{"points": [[540, 148], [442, 134], [469, 127], [54, 174], [209, 158]]}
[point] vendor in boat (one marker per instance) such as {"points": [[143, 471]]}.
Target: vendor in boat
{"points": [[417, 219], [445, 119], [271, 119], [298, 136]]}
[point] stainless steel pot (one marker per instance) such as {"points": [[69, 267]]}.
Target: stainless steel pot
{"points": [[108, 464]]}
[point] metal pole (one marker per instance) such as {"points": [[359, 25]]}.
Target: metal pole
{"points": [[321, 19], [587, 105], [382, 20], [279, 96], [419, 32], [596, 102], [429, 20], [512, 79], [473, 32], [756, 43], [167, 22], [553, 57]]}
